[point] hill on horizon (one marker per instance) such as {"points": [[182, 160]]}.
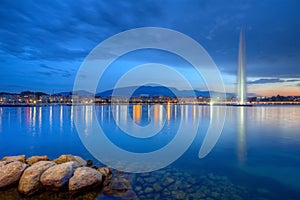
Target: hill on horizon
{"points": [[152, 91]]}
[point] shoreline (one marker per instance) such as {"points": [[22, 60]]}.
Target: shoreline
{"points": [[154, 103]]}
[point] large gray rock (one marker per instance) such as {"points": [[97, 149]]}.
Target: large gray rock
{"points": [[84, 177], [11, 172], [20, 158], [35, 159], [57, 176], [79, 162], [30, 179]]}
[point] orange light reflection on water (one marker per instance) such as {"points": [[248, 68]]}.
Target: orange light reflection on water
{"points": [[137, 113]]}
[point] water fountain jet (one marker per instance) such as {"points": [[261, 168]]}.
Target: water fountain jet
{"points": [[241, 82]]}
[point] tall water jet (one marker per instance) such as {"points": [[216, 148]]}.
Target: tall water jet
{"points": [[241, 82]]}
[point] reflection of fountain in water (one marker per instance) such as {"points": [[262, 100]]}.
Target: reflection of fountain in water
{"points": [[241, 134], [241, 82]]}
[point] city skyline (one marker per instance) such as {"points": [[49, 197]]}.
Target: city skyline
{"points": [[43, 44]]}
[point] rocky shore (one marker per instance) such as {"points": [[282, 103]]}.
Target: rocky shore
{"points": [[71, 177], [69, 173]]}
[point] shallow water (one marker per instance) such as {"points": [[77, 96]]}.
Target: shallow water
{"points": [[257, 155]]}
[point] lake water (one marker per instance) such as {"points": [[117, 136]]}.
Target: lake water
{"points": [[257, 156]]}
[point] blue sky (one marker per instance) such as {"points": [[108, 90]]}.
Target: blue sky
{"points": [[43, 43]]}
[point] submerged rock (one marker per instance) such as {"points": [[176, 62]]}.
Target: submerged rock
{"points": [[157, 187], [116, 186], [89, 162], [148, 190], [84, 177], [35, 159], [120, 187], [57, 176], [79, 162], [30, 179], [10, 173], [168, 181], [20, 158], [105, 171]]}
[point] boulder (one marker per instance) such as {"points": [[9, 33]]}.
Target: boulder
{"points": [[11, 173], [57, 176], [84, 177], [116, 186], [30, 179], [63, 159], [20, 158], [120, 187], [79, 162], [2, 163], [105, 171], [35, 159]]}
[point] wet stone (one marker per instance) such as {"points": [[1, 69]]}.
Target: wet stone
{"points": [[166, 192], [148, 190], [192, 180], [150, 180], [168, 181], [119, 172], [215, 194], [11, 173], [190, 190], [89, 162], [2, 163], [35, 159], [84, 177], [57, 176], [79, 162], [140, 180], [105, 171], [20, 158], [138, 188], [30, 179], [145, 174], [117, 185], [157, 187], [157, 196], [178, 194]]}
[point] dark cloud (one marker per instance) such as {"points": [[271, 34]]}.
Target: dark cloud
{"points": [[264, 80], [68, 30], [271, 80], [282, 69], [52, 71], [45, 73], [12, 87]]}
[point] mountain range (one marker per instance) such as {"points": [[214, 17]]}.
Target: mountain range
{"points": [[152, 91]]}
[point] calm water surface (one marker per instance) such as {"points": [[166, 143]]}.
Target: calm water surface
{"points": [[256, 157]]}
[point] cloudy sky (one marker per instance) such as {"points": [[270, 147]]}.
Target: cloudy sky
{"points": [[43, 43]]}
